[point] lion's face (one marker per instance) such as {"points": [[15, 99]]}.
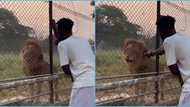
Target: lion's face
{"points": [[31, 54], [134, 51]]}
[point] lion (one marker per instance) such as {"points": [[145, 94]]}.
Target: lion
{"points": [[33, 64], [137, 63], [134, 56]]}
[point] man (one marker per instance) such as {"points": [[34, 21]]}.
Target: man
{"points": [[77, 60], [177, 52]]}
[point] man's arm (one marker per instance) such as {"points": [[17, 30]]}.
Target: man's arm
{"points": [[64, 59], [67, 71], [159, 51], [175, 70]]}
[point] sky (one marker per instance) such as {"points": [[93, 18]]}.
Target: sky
{"points": [[143, 13], [35, 15]]}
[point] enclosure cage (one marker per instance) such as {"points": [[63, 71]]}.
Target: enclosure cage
{"points": [[22, 20], [118, 20]]}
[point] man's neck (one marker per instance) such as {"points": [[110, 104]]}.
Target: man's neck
{"points": [[66, 37], [171, 33], [63, 38]]}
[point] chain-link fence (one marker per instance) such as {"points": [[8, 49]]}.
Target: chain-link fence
{"points": [[139, 91], [117, 21], [23, 20]]}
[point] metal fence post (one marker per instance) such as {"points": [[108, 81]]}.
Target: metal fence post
{"points": [[51, 51], [157, 56]]}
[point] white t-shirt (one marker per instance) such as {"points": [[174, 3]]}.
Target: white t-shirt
{"points": [[177, 51], [77, 52]]}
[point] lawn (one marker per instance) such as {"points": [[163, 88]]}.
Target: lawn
{"points": [[111, 62], [11, 66]]}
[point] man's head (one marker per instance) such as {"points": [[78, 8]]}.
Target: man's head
{"points": [[65, 26], [166, 26]]}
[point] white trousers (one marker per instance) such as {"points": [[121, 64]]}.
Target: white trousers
{"points": [[83, 97], [185, 94], [184, 98]]}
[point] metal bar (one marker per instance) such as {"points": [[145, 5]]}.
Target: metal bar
{"points": [[128, 75], [134, 96], [51, 51], [30, 77], [30, 81], [116, 84], [54, 77], [157, 56], [35, 96], [98, 78], [14, 84]]}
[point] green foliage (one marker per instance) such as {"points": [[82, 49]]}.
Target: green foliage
{"points": [[11, 66], [113, 26], [12, 33]]}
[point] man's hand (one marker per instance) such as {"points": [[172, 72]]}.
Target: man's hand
{"points": [[67, 71], [55, 30], [149, 53], [159, 51], [175, 70], [54, 27]]}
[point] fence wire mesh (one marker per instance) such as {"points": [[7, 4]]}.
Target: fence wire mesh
{"points": [[180, 10], [22, 20], [138, 91], [35, 91], [110, 39], [120, 20], [81, 13]]}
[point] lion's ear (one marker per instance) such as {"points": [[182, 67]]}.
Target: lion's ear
{"points": [[125, 45], [126, 42]]}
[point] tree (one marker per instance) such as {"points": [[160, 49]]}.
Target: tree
{"points": [[12, 33], [113, 26]]}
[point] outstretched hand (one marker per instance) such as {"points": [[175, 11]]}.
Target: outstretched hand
{"points": [[56, 35], [53, 24], [149, 53]]}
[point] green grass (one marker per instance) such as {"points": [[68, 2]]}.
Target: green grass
{"points": [[108, 62], [11, 66], [111, 62]]}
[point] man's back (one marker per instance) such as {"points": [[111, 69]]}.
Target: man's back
{"points": [[179, 47], [80, 57]]}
